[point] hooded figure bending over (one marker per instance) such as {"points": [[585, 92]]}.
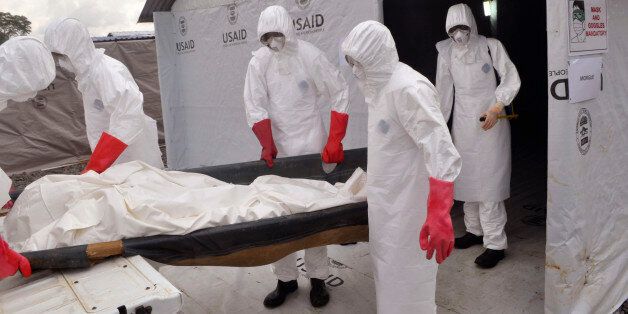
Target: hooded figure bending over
{"points": [[117, 128], [26, 67]]}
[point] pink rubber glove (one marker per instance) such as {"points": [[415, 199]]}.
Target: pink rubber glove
{"points": [[11, 261], [437, 233]]}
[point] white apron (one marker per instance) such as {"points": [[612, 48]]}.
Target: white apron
{"points": [[486, 160]]}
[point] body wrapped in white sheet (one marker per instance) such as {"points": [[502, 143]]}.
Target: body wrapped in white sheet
{"points": [[135, 200]]}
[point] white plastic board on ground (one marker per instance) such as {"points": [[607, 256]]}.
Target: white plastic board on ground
{"points": [[203, 56], [586, 268], [104, 288]]}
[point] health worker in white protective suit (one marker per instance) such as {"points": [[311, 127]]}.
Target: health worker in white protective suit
{"points": [[283, 82], [117, 128], [466, 63], [26, 67], [412, 164]]}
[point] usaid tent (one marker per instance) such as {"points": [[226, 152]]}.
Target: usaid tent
{"points": [[203, 53], [586, 268]]}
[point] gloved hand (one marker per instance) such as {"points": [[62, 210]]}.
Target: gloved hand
{"points": [[437, 233], [333, 152], [491, 116], [264, 134], [11, 261], [9, 204], [108, 149]]}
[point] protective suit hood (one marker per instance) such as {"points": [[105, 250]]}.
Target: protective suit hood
{"points": [[26, 67], [371, 44], [69, 37], [276, 19], [460, 14]]}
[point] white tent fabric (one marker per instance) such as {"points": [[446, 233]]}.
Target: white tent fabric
{"points": [[200, 106], [586, 269], [134, 200]]}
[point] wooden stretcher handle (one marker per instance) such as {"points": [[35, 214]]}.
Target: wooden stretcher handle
{"points": [[81, 256]]}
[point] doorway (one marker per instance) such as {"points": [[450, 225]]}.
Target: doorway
{"points": [[517, 283]]}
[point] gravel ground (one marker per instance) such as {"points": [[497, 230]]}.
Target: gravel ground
{"points": [[21, 180]]}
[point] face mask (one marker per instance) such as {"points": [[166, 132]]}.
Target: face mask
{"points": [[277, 43], [461, 36], [358, 71]]}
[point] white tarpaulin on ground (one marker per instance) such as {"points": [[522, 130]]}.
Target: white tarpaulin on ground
{"points": [[203, 56], [586, 268], [135, 200]]}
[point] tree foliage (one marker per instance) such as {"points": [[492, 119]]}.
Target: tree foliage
{"points": [[13, 25]]}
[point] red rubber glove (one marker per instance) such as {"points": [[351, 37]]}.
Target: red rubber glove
{"points": [[108, 149], [264, 134], [437, 233], [333, 152], [11, 261], [10, 203]]}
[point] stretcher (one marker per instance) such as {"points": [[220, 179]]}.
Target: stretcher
{"points": [[243, 244]]}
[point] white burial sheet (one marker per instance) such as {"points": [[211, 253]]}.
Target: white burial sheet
{"points": [[135, 200]]}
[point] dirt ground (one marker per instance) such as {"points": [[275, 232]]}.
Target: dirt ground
{"points": [[21, 180]]}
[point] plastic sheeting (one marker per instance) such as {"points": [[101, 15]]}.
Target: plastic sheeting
{"points": [[586, 268], [135, 200], [33, 132], [203, 56]]}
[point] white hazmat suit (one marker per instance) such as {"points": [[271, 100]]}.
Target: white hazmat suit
{"points": [[26, 67], [409, 146], [484, 182], [114, 116], [283, 87]]}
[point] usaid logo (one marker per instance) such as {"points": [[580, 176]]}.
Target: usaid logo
{"points": [[583, 131], [232, 16], [309, 24], [303, 4], [183, 26], [234, 38], [184, 46]]}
